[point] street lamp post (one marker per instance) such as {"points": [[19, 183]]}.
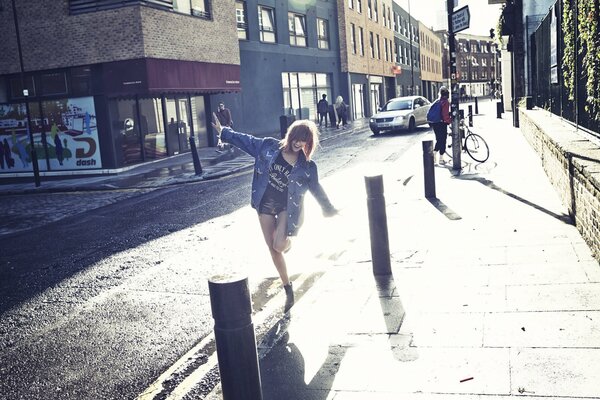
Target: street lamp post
{"points": [[34, 160]]}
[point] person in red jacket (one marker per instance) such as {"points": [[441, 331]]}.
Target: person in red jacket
{"points": [[440, 123]]}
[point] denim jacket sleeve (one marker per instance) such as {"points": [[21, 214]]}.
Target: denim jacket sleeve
{"points": [[317, 190], [248, 143]]}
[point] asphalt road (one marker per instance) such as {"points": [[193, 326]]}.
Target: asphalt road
{"points": [[106, 291]]}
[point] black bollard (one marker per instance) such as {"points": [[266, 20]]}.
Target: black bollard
{"points": [[195, 158], [380, 245], [476, 106], [499, 109], [428, 169], [234, 336], [470, 115]]}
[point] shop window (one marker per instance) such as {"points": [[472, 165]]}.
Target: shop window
{"points": [[53, 83], [297, 29], [81, 81], [323, 34], [301, 92], [16, 87], [242, 25], [125, 131], [151, 128], [266, 21], [199, 118]]}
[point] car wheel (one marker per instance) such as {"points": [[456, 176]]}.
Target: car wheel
{"points": [[411, 125], [375, 132]]}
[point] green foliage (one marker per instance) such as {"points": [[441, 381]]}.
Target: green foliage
{"points": [[589, 40], [568, 59], [499, 26], [588, 45]]}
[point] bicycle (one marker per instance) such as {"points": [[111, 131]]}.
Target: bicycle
{"points": [[475, 146]]}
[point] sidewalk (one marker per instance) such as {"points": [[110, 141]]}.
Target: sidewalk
{"points": [[174, 170], [494, 294]]}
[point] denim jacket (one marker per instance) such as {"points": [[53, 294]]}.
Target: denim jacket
{"points": [[303, 176]]}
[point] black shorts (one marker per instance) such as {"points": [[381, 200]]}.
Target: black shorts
{"points": [[270, 206]]}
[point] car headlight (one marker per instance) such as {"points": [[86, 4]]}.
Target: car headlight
{"points": [[372, 120], [399, 119]]}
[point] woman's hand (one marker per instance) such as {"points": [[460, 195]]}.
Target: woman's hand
{"points": [[217, 125]]}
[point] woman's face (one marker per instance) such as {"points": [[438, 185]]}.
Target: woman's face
{"points": [[298, 145]]}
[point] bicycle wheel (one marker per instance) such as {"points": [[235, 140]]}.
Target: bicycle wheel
{"points": [[476, 147]]}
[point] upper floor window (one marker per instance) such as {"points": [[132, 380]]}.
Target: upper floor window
{"points": [[297, 28], [372, 44], [369, 9], [377, 47], [266, 22], [350, 3], [375, 15], [323, 33], [197, 8], [353, 38], [361, 41], [359, 6], [240, 16]]}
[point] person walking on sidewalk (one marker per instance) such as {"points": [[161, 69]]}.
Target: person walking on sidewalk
{"points": [[224, 116], [439, 118], [283, 172], [322, 109], [341, 110]]}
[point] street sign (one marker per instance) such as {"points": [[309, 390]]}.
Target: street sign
{"points": [[460, 19]]}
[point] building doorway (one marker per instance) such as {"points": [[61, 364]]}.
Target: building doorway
{"points": [[358, 101]]}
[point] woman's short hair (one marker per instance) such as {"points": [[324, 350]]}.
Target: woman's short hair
{"points": [[303, 130]]}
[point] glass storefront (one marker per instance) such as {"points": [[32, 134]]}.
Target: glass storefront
{"points": [[302, 91], [140, 133]]}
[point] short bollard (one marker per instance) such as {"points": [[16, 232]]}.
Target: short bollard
{"points": [[195, 157], [470, 115], [380, 245], [499, 109], [476, 106], [428, 169], [234, 336]]}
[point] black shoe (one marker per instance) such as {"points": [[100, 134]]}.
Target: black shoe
{"points": [[289, 297]]}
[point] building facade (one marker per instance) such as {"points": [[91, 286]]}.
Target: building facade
{"points": [[431, 61], [478, 70], [367, 54], [113, 84], [407, 50], [289, 51]]}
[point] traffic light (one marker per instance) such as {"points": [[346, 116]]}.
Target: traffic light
{"points": [[492, 34]]}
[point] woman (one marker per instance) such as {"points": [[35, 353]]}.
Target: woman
{"points": [[341, 110], [283, 172], [439, 122]]}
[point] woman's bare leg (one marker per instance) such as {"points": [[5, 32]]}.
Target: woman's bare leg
{"points": [[273, 228]]}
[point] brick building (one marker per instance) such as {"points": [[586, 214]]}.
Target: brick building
{"points": [[111, 84]]}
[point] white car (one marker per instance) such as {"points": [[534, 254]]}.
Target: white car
{"points": [[400, 113]]}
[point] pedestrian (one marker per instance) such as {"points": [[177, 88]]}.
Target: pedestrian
{"points": [[322, 109], [283, 172], [224, 116], [439, 118], [341, 110]]}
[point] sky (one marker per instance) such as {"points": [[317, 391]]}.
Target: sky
{"points": [[433, 13]]}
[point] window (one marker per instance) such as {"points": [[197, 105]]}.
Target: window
{"points": [[372, 44], [266, 22], [350, 3], [386, 50], [81, 81], [377, 48], [323, 33], [384, 17], [359, 6], [369, 9], [375, 12], [361, 41], [301, 92], [53, 83], [297, 29], [353, 38], [240, 16], [197, 8]]}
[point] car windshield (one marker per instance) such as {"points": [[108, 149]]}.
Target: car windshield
{"points": [[396, 105]]}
